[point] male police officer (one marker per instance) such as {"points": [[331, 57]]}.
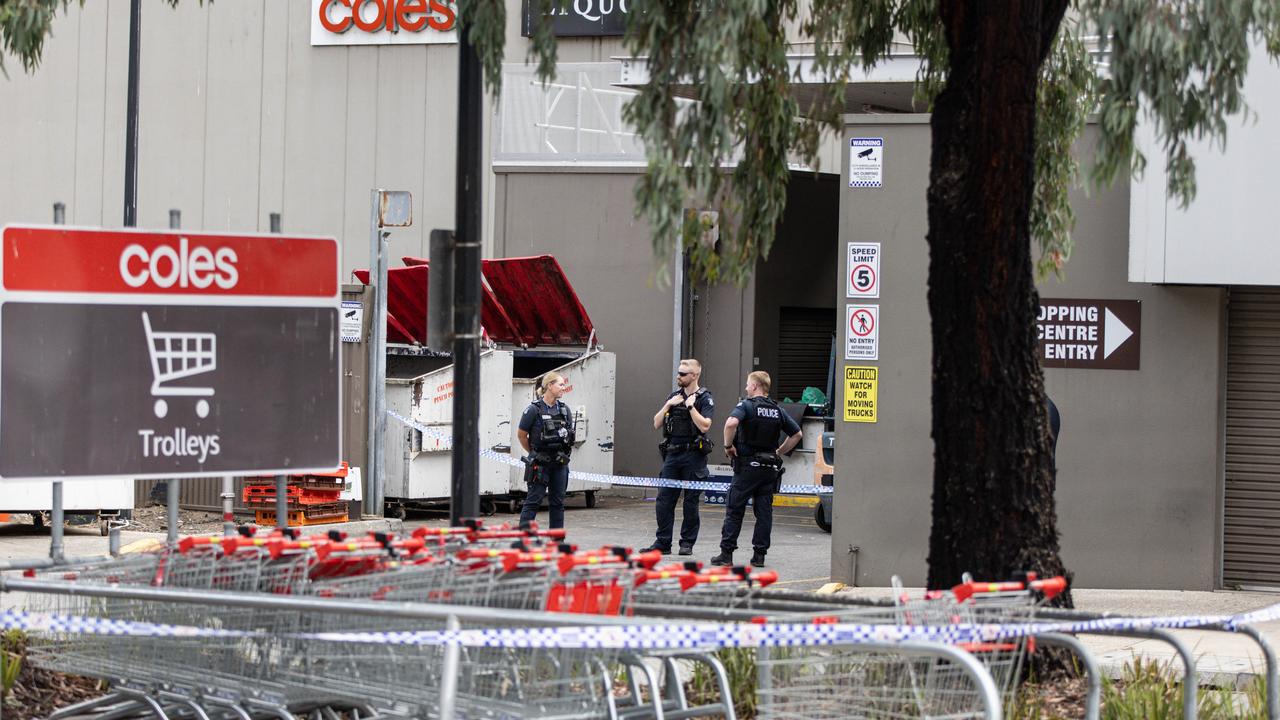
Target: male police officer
{"points": [[751, 435], [684, 419]]}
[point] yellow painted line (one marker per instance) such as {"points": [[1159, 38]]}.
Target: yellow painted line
{"points": [[795, 501], [792, 582]]}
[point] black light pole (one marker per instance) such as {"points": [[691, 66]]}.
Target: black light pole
{"points": [[131, 118], [465, 478]]}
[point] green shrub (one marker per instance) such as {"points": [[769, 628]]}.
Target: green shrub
{"points": [[13, 645]]}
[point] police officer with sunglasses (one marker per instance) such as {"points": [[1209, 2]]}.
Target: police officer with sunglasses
{"points": [[684, 419]]}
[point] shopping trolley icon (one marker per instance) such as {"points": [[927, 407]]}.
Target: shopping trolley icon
{"points": [[178, 355]]}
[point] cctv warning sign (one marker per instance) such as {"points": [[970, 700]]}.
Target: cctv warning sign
{"points": [[861, 386]]}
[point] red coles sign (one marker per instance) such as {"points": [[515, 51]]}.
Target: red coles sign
{"points": [[374, 16]]}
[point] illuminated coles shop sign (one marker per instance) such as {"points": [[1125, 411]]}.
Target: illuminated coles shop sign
{"points": [[383, 22]]}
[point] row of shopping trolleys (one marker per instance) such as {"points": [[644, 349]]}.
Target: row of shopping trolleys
{"points": [[302, 658]]}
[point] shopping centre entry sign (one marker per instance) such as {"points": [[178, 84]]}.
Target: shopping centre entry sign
{"points": [[167, 354]]}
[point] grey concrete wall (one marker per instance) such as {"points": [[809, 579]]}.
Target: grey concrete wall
{"points": [[1138, 458], [608, 257], [240, 117]]}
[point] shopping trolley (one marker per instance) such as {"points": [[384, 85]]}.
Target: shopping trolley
{"points": [[178, 355], [847, 681]]}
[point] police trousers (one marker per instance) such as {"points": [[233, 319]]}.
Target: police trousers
{"points": [[684, 465], [757, 485], [556, 481]]}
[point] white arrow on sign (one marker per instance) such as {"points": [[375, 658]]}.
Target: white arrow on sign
{"points": [[1114, 334]]}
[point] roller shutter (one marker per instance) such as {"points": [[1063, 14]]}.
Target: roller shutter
{"points": [[804, 349], [1251, 510]]}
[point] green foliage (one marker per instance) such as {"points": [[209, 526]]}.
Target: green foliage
{"points": [[740, 666], [732, 59], [1066, 94], [13, 647], [1181, 63], [485, 22], [23, 27], [1148, 691]]}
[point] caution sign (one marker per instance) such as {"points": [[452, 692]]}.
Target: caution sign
{"points": [[1089, 334], [862, 326], [864, 270], [860, 391]]}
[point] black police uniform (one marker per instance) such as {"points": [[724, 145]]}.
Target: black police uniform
{"points": [[757, 471], [551, 436], [684, 457]]}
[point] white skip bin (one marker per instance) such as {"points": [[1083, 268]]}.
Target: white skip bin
{"points": [[534, 324], [102, 498], [593, 377]]}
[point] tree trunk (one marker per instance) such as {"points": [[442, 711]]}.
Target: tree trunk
{"points": [[993, 481]]}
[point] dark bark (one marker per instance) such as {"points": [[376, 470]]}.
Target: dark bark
{"points": [[993, 485]]}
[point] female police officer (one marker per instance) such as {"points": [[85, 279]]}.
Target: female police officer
{"points": [[546, 434]]}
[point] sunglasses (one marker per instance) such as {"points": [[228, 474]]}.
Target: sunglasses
{"points": [[682, 374]]}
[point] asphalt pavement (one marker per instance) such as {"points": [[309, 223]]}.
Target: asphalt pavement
{"points": [[800, 550]]}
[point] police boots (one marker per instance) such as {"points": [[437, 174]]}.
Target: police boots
{"points": [[724, 559]]}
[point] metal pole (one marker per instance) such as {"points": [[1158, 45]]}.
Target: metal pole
{"points": [[171, 509], [377, 374], [131, 117], [1093, 690], [465, 471], [55, 524], [205, 598], [228, 505], [55, 514], [677, 305], [1273, 678], [449, 679], [282, 501]]}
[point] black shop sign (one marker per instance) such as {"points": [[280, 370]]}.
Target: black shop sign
{"points": [[578, 18], [1089, 334]]}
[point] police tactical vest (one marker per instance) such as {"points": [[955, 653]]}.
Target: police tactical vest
{"points": [[679, 423], [556, 427], [762, 426]]}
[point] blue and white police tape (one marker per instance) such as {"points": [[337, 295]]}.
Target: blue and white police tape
{"points": [[79, 625], [604, 479], [640, 637]]}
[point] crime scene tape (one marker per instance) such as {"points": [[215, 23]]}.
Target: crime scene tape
{"points": [[646, 637], [603, 479]]}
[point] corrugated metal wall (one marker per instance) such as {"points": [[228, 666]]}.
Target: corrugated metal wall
{"points": [[1251, 510], [193, 494]]}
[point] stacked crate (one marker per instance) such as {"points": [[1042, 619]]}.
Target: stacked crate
{"points": [[314, 498]]}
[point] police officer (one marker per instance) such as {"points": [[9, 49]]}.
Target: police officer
{"points": [[684, 419], [546, 433], [751, 435]]}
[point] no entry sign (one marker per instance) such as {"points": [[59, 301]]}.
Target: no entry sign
{"points": [[166, 354], [862, 332]]}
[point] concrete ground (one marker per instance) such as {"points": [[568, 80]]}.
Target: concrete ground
{"points": [[799, 550], [800, 554]]}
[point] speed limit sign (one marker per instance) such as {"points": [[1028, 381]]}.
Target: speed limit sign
{"points": [[864, 270]]}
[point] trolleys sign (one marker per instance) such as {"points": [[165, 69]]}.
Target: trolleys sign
{"points": [[165, 354]]}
